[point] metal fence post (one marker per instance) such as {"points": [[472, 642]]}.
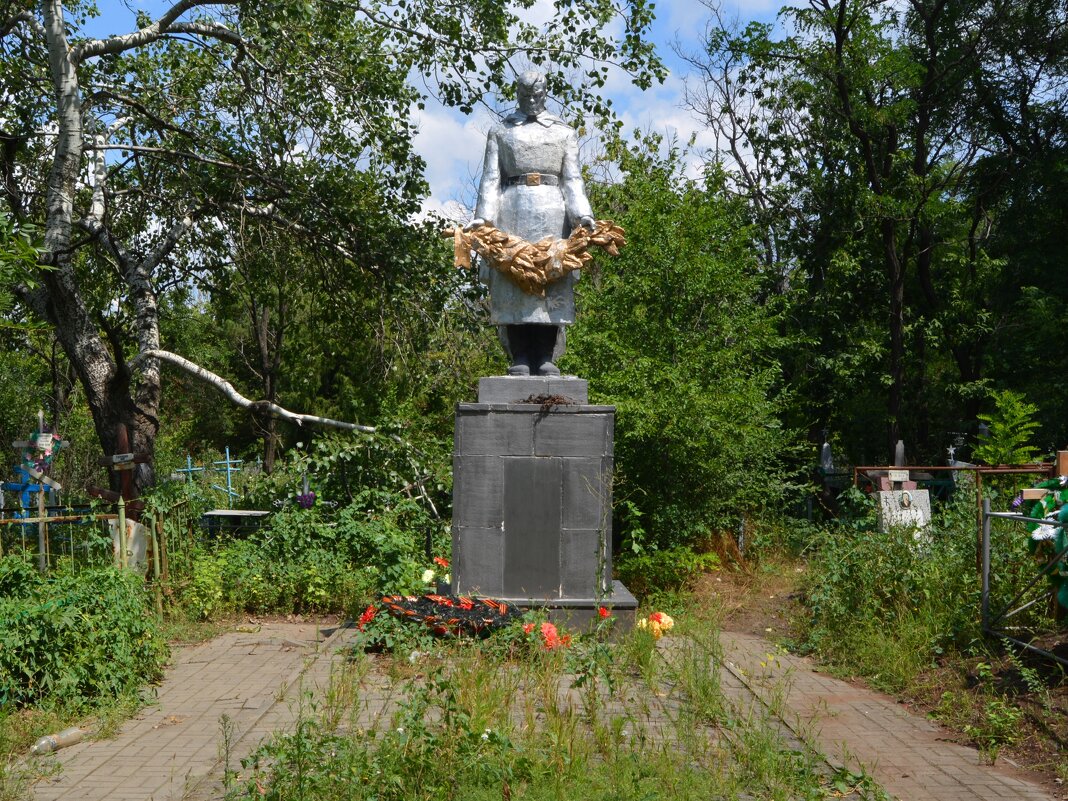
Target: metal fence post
{"points": [[122, 532], [985, 616]]}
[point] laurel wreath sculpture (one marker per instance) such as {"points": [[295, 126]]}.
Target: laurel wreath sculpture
{"points": [[532, 266]]}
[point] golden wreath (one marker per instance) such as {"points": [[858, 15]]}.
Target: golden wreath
{"points": [[532, 266]]}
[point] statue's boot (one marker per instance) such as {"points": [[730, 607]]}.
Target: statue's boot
{"points": [[532, 347]]}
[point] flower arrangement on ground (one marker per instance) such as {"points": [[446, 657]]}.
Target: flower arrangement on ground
{"points": [[658, 623]]}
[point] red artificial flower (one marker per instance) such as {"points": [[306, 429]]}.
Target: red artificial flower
{"points": [[441, 562], [603, 611], [551, 636], [367, 616], [528, 627], [657, 617]]}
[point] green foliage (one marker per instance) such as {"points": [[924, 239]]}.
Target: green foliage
{"points": [[361, 469], [19, 253], [18, 578], [315, 560], [998, 719], [479, 721], [1012, 424], [203, 597], [673, 333], [663, 570], [388, 634], [434, 748], [77, 639], [886, 605], [917, 274], [999, 726]]}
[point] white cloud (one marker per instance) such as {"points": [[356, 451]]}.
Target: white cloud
{"points": [[452, 144]]}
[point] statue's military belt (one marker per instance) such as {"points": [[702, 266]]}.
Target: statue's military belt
{"points": [[532, 179]]}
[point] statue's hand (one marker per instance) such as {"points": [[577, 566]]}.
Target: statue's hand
{"points": [[587, 222], [475, 223]]}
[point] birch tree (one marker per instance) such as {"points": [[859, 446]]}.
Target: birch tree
{"points": [[135, 152]]}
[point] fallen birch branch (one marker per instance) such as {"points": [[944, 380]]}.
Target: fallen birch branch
{"points": [[236, 397]]}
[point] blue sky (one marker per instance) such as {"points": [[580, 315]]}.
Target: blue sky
{"points": [[452, 143]]}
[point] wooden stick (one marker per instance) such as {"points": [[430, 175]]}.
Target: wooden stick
{"points": [[13, 521]]}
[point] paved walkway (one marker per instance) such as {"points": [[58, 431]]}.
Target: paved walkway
{"points": [[907, 754], [167, 750], [174, 750]]}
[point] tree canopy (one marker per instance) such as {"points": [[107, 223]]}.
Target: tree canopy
{"points": [[141, 154], [886, 152]]}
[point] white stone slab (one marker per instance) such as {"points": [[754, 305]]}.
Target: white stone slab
{"points": [[910, 508]]}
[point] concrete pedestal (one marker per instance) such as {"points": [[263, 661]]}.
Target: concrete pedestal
{"points": [[532, 499]]}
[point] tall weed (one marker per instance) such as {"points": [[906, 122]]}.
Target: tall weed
{"points": [[885, 605], [482, 721], [77, 639]]}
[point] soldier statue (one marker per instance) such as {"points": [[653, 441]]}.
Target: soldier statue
{"points": [[532, 188]]}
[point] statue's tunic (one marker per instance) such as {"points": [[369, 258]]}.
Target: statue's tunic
{"points": [[531, 187]]}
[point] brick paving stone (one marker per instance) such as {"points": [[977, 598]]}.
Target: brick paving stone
{"points": [[173, 749], [907, 754], [179, 736]]}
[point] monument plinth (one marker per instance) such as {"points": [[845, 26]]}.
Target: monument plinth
{"points": [[532, 499]]}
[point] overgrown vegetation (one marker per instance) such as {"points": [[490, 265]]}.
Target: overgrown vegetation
{"points": [[75, 639], [307, 561], [75, 645], [486, 721], [671, 336]]}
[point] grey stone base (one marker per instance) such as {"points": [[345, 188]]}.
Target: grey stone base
{"points": [[578, 614], [532, 501], [512, 389]]}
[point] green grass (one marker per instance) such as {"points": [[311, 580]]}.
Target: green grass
{"points": [[633, 720]]}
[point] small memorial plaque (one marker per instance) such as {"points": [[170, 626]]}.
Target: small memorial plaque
{"points": [[897, 476], [907, 508], [1035, 493]]}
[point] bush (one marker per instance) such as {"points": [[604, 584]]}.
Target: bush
{"points": [[315, 580], [315, 560], [885, 605], [673, 335], [77, 638], [662, 571], [18, 578]]}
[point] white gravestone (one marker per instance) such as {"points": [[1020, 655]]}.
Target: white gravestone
{"points": [[908, 508], [137, 539]]}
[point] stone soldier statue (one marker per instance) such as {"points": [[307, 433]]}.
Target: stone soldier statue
{"points": [[532, 188]]}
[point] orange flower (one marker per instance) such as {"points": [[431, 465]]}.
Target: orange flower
{"points": [[528, 627], [551, 637], [367, 616], [441, 561]]}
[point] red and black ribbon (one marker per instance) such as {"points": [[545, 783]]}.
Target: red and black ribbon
{"points": [[451, 615]]}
